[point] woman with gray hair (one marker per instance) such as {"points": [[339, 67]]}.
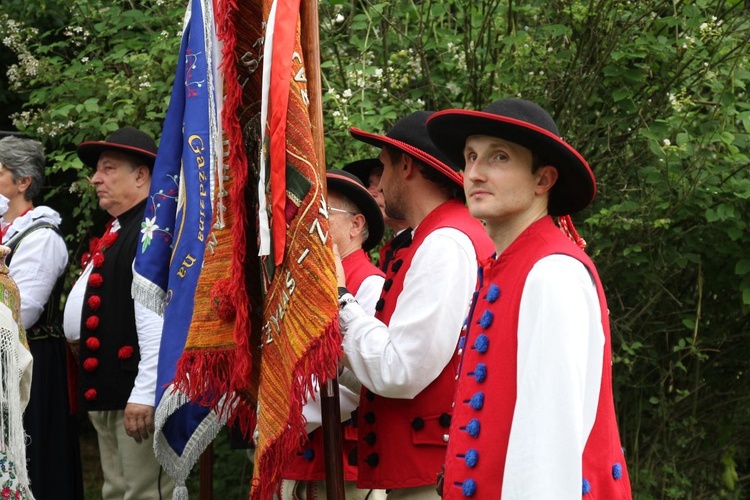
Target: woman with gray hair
{"points": [[37, 263]]}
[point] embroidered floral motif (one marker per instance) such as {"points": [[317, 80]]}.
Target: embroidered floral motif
{"points": [[9, 486], [148, 226]]}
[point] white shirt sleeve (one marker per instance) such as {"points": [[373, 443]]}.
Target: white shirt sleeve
{"points": [[369, 293], [349, 387], [348, 402], [149, 326], [37, 262], [560, 355], [400, 360], [74, 306]]}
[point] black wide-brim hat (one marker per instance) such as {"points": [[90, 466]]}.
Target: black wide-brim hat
{"points": [[128, 140], [409, 135], [349, 185], [527, 124], [363, 168]]}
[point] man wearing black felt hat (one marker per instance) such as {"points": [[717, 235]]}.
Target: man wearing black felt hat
{"points": [[356, 226], [118, 340], [534, 412], [369, 171], [405, 357]]}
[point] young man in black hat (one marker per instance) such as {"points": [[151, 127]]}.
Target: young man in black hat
{"points": [[405, 357], [370, 171], [356, 227], [118, 339], [534, 413]]}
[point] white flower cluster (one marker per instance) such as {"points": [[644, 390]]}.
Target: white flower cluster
{"points": [[458, 54], [78, 35], [52, 129], [17, 38], [45, 127], [677, 101], [711, 28], [143, 82], [16, 34], [340, 101], [23, 119], [337, 18], [688, 41], [403, 66]]}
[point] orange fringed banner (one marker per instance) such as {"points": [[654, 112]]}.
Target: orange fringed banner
{"points": [[300, 334], [215, 367], [260, 331]]}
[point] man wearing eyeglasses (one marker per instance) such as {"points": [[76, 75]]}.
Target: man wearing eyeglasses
{"points": [[356, 226], [406, 356]]}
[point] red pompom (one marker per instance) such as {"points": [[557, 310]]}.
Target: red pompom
{"points": [[96, 280], [85, 260], [125, 352], [90, 395], [221, 300], [98, 259], [92, 322], [93, 245], [90, 364], [94, 302], [108, 240], [92, 343]]}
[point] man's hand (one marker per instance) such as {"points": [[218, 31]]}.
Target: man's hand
{"points": [[139, 421], [340, 276]]}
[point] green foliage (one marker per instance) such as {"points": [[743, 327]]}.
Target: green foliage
{"points": [[232, 470], [653, 93], [112, 65]]}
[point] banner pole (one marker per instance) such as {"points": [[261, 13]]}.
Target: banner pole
{"points": [[329, 390]]}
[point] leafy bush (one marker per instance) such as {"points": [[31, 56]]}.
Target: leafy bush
{"points": [[653, 93]]}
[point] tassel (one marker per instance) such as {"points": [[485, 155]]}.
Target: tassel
{"points": [[566, 225], [180, 492]]}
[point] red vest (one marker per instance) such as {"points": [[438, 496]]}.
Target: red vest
{"points": [[479, 434], [309, 463], [388, 251], [402, 441]]}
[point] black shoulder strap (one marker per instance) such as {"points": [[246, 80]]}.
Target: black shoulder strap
{"points": [[14, 242], [51, 315]]}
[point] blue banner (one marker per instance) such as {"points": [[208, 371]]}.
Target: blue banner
{"points": [[175, 229]]}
